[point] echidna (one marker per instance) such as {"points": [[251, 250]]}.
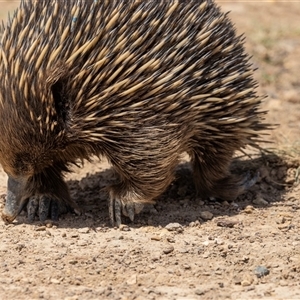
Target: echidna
{"points": [[139, 82]]}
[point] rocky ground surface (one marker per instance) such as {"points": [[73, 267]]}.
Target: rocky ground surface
{"points": [[183, 247]]}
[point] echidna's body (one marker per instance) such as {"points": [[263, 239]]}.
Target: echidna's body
{"points": [[137, 81]]}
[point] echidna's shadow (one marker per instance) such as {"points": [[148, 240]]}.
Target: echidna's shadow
{"points": [[180, 202]]}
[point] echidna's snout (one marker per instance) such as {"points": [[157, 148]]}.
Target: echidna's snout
{"points": [[14, 200]]}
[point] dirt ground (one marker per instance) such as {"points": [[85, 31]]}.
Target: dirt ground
{"points": [[183, 247]]}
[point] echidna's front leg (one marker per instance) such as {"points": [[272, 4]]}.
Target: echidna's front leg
{"points": [[45, 195]]}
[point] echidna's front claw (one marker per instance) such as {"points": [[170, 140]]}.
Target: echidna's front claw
{"points": [[55, 211], [32, 208], [44, 206], [128, 210]]}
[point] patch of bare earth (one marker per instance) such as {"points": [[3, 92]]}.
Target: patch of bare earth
{"points": [[183, 247]]}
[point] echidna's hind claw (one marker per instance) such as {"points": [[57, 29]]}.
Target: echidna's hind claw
{"points": [[128, 210], [248, 181], [111, 212], [117, 208]]}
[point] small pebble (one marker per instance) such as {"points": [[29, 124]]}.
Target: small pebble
{"points": [[218, 241], [155, 238], [199, 292], [124, 227], [19, 247], [229, 223], [260, 201], [249, 209], [155, 256], [206, 243], [173, 226], [283, 226], [40, 228], [170, 239], [261, 271], [206, 215], [206, 254], [197, 223], [179, 230], [245, 283], [168, 249], [84, 230]]}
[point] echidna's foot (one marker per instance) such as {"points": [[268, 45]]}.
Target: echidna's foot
{"points": [[44, 206], [248, 181], [229, 188], [117, 208], [45, 195]]}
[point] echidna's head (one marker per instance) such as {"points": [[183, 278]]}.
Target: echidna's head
{"points": [[31, 141], [33, 109]]}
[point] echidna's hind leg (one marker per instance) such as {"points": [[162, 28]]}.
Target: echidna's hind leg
{"points": [[213, 178], [142, 183], [231, 186], [122, 203]]}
